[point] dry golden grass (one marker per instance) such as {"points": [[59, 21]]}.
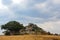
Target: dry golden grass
{"points": [[30, 37]]}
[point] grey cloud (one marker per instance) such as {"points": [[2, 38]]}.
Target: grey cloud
{"points": [[7, 2]]}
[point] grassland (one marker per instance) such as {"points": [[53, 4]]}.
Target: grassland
{"points": [[30, 37]]}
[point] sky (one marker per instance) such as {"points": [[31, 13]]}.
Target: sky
{"points": [[44, 13]]}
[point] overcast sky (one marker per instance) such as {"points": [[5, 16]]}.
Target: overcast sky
{"points": [[44, 13]]}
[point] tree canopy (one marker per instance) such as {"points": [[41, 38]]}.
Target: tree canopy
{"points": [[13, 26]]}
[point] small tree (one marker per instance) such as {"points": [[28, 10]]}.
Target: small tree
{"points": [[49, 33], [56, 34], [13, 27]]}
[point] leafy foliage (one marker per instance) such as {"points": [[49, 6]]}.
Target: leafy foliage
{"points": [[13, 26], [36, 29]]}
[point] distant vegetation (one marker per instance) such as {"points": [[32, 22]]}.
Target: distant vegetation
{"points": [[15, 28]]}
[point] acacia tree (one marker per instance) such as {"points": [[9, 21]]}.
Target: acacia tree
{"points": [[12, 27], [36, 29]]}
